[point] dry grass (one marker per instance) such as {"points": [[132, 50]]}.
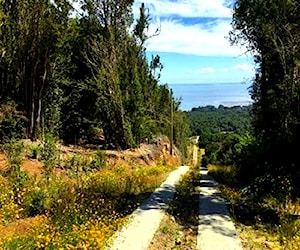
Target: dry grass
{"points": [[172, 235], [77, 205]]}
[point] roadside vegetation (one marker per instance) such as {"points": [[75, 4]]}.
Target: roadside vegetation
{"points": [[80, 208], [258, 167]]}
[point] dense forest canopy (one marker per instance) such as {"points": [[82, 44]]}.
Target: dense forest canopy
{"points": [[222, 131], [210, 120], [81, 76]]}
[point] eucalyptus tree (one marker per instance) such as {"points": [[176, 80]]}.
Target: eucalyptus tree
{"points": [[29, 35], [124, 81], [270, 30]]}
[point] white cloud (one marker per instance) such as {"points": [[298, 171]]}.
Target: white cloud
{"points": [[244, 67], [207, 70], [224, 70], [194, 39], [187, 8], [179, 35]]}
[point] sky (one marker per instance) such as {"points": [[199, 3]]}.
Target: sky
{"points": [[193, 41]]}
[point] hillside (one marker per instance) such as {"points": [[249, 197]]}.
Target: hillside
{"points": [[209, 121]]}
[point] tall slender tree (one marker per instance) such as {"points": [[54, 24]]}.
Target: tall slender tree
{"points": [[270, 29]]}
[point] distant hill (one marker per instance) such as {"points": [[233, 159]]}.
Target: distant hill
{"points": [[211, 120]]}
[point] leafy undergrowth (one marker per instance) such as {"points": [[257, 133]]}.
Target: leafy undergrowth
{"points": [[179, 227], [266, 223], [80, 209]]}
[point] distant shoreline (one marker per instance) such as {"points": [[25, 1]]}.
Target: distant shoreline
{"points": [[203, 94]]}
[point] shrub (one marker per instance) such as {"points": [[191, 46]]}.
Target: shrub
{"points": [[34, 203], [12, 122], [35, 151], [290, 224], [13, 150], [223, 174], [50, 153], [98, 160]]}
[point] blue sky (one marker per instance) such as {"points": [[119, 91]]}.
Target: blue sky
{"points": [[192, 42]]}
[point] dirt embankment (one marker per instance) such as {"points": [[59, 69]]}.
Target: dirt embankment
{"points": [[145, 155]]}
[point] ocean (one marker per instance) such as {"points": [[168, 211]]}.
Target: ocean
{"points": [[227, 94]]}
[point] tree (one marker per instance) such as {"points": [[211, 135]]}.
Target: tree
{"points": [[270, 30], [29, 35]]}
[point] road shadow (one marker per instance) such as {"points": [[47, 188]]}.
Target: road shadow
{"points": [[159, 199], [247, 211]]}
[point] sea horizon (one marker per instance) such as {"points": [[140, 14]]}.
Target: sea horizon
{"points": [[193, 95]]}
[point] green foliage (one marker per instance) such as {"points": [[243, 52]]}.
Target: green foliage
{"points": [[13, 150], [225, 148], [34, 203], [35, 151], [226, 175], [12, 122], [98, 160], [270, 29], [185, 204], [289, 224], [74, 76], [209, 120], [182, 133], [222, 131], [50, 152]]}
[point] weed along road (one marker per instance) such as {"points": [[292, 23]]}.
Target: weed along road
{"points": [[216, 230], [195, 151], [144, 221]]}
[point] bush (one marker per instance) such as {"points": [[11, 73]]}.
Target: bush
{"points": [[34, 203], [50, 153], [12, 122], [35, 151], [98, 160], [13, 150], [224, 174]]}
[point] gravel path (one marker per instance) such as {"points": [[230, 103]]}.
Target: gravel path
{"points": [[216, 231], [143, 223]]}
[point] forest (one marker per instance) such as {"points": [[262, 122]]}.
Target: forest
{"points": [[209, 120], [221, 131], [83, 77]]}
